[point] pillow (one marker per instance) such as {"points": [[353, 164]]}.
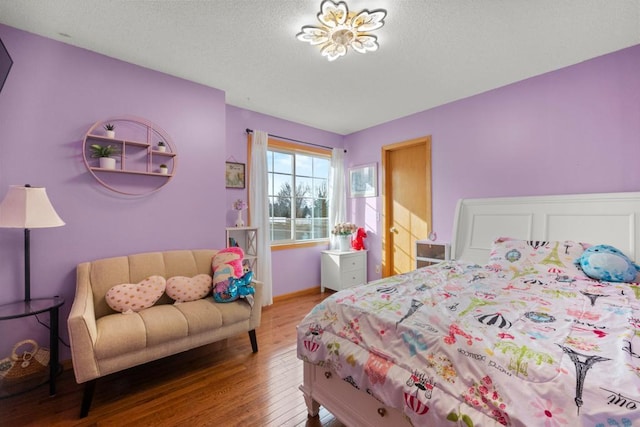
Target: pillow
{"points": [[227, 263], [184, 289], [129, 297], [604, 262], [561, 255]]}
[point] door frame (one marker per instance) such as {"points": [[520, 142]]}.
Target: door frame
{"points": [[388, 190]]}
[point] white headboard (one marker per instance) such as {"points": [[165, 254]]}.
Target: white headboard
{"points": [[608, 218]]}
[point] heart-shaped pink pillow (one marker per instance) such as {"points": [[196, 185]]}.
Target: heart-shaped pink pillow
{"points": [[183, 289], [130, 297]]}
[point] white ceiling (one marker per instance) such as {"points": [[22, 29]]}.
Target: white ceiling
{"points": [[431, 51]]}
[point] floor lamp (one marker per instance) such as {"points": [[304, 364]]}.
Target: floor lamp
{"points": [[27, 207]]}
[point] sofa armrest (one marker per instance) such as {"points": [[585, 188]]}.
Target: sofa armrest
{"points": [[256, 311], [82, 327]]}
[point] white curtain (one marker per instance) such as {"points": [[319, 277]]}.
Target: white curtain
{"points": [[337, 192], [259, 210]]}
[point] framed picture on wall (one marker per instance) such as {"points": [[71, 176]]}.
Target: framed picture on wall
{"points": [[234, 175], [363, 181]]}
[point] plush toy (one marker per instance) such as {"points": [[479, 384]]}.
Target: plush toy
{"points": [[234, 289], [604, 262], [357, 242]]}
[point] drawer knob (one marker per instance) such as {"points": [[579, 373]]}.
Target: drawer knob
{"points": [[382, 412], [327, 374]]}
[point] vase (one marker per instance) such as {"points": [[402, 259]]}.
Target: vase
{"points": [[111, 134], [344, 242], [107, 163], [239, 221]]}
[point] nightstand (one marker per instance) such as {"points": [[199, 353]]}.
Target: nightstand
{"points": [[343, 269], [428, 253]]}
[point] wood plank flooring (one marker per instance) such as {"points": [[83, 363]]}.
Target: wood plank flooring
{"points": [[222, 384]]}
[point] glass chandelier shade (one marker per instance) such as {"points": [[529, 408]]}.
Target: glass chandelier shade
{"points": [[342, 29]]}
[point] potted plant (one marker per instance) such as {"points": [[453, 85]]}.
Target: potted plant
{"points": [[110, 128], [162, 147], [104, 153], [164, 169]]}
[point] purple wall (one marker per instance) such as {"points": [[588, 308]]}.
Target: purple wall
{"points": [[52, 96], [575, 130], [293, 269]]}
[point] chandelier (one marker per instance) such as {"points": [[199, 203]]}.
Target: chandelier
{"points": [[341, 29]]}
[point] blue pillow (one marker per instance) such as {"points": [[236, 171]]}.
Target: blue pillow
{"points": [[604, 262]]}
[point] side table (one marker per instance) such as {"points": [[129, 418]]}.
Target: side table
{"points": [[33, 307], [342, 269]]}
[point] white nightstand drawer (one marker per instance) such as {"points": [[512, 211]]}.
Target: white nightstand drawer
{"points": [[352, 262], [352, 278], [342, 270]]}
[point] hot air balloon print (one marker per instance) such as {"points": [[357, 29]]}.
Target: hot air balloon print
{"points": [[494, 319]]}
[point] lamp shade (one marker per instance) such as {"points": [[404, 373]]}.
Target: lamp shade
{"points": [[28, 207]]}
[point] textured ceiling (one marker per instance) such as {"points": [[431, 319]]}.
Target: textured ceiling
{"points": [[431, 51]]}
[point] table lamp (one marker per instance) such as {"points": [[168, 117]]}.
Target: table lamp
{"points": [[27, 207]]}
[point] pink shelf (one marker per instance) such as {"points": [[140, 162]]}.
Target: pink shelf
{"points": [[165, 175], [137, 157]]}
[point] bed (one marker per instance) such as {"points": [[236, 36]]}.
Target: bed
{"points": [[510, 332]]}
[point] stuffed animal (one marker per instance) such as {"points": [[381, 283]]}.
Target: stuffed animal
{"points": [[236, 288], [604, 262], [357, 242]]}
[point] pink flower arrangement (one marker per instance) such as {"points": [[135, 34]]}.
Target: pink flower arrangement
{"points": [[344, 228], [239, 205]]}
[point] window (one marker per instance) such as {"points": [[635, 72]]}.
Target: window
{"points": [[298, 184]]}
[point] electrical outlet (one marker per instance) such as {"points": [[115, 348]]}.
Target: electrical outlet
{"points": [[377, 268]]}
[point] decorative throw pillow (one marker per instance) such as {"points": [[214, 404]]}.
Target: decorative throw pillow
{"points": [[130, 297], [604, 262], [554, 254], [227, 263], [184, 289]]}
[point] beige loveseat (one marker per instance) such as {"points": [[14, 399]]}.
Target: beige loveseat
{"points": [[104, 341]]}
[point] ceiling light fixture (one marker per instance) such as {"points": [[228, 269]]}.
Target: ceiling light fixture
{"points": [[342, 29]]}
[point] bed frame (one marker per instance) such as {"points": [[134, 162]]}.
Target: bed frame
{"points": [[607, 218]]}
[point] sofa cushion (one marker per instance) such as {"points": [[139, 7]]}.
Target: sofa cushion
{"points": [[184, 289], [160, 324], [131, 297], [202, 315], [118, 334]]}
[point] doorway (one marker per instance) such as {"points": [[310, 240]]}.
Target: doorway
{"points": [[406, 202]]}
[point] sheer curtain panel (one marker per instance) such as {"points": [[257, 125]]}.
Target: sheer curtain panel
{"points": [[337, 193], [259, 209]]}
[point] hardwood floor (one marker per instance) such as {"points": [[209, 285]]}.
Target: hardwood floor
{"points": [[222, 384]]}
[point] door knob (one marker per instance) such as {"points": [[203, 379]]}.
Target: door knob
{"points": [[393, 230]]}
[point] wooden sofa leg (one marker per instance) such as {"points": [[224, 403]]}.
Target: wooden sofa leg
{"points": [[254, 340], [87, 397]]}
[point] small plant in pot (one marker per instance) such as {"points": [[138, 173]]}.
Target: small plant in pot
{"points": [[104, 153], [111, 130], [162, 147], [164, 169]]}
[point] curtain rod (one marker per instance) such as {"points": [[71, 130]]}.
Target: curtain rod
{"points": [[295, 140]]}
